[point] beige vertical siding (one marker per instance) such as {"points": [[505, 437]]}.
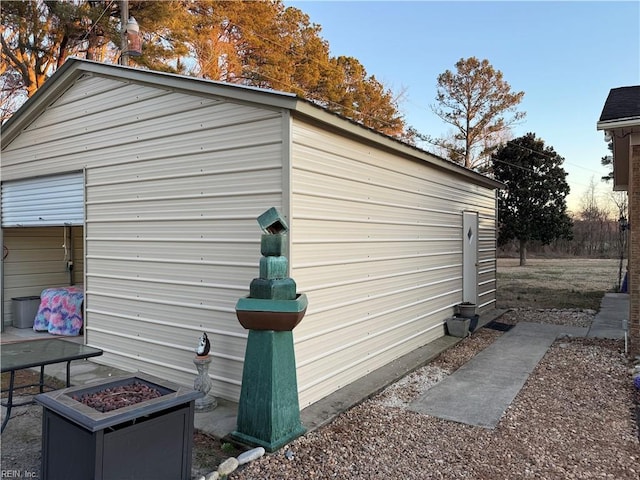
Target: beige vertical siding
{"points": [[36, 261], [377, 247], [174, 185], [487, 260]]}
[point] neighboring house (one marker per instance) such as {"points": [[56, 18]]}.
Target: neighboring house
{"points": [[620, 120], [159, 180]]}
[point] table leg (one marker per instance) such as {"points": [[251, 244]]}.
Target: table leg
{"points": [[9, 401], [42, 379], [68, 373]]}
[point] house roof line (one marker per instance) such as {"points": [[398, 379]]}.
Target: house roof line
{"points": [[618, 123], [622, 103], [74, 68]]}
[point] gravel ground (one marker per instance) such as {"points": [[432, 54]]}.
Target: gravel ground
{"points": [[21, 442], [573, 419]]}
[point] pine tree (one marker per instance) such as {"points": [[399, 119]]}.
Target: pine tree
{"points": [[480, 105]]}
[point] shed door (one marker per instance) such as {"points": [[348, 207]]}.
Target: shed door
{"points": [[43, 201], [470, 257]]}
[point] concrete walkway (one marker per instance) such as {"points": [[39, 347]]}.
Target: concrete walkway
{"points": [[608, 322], [479, 392]]}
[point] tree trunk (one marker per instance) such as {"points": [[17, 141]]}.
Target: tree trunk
{"points": [[523, 253]]}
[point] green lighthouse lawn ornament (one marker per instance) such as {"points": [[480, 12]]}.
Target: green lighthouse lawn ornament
{"points": [[268, 411]]}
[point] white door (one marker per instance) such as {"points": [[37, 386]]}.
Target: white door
{"points": [[470, 257]]}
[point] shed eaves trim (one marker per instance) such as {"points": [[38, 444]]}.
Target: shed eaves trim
{"points": [[73, 68]]}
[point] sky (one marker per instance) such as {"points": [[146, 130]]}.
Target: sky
{"points": [[565, 56]]}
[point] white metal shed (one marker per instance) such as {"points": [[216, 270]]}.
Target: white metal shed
{"points": [[385, 239]]}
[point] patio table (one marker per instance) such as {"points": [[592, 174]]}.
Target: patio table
{"points": [[38, 353]]}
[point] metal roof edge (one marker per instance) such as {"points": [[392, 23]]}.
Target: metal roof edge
{"points": [[274, 98], [73, 68], [308, 109], [34, 105]]}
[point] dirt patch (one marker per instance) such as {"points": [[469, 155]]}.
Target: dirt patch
{"points": [[208, 453], [29, 377]]}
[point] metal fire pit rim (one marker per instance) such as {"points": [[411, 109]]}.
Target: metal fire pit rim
{"points": [[62, 403]]}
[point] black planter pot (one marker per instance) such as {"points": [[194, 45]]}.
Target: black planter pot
{"points": [[466, 310]]}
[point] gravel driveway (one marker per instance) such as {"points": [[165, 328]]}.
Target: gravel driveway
{"points": [[574, 418]]}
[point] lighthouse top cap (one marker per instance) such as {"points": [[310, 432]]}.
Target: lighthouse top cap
{"points": [[273, 222]]}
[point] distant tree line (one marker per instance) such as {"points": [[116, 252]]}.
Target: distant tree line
{"points": [[598, 230], [591, 238]]}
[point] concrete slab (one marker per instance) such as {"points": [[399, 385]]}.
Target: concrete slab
{"points": [[220, 421], [536, 329], [480, 391], [607, 323]]}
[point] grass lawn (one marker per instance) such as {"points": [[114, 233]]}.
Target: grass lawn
{"points": [[555, 283]]}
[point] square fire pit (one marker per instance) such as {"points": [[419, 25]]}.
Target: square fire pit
{"points": [[150, 438]]}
